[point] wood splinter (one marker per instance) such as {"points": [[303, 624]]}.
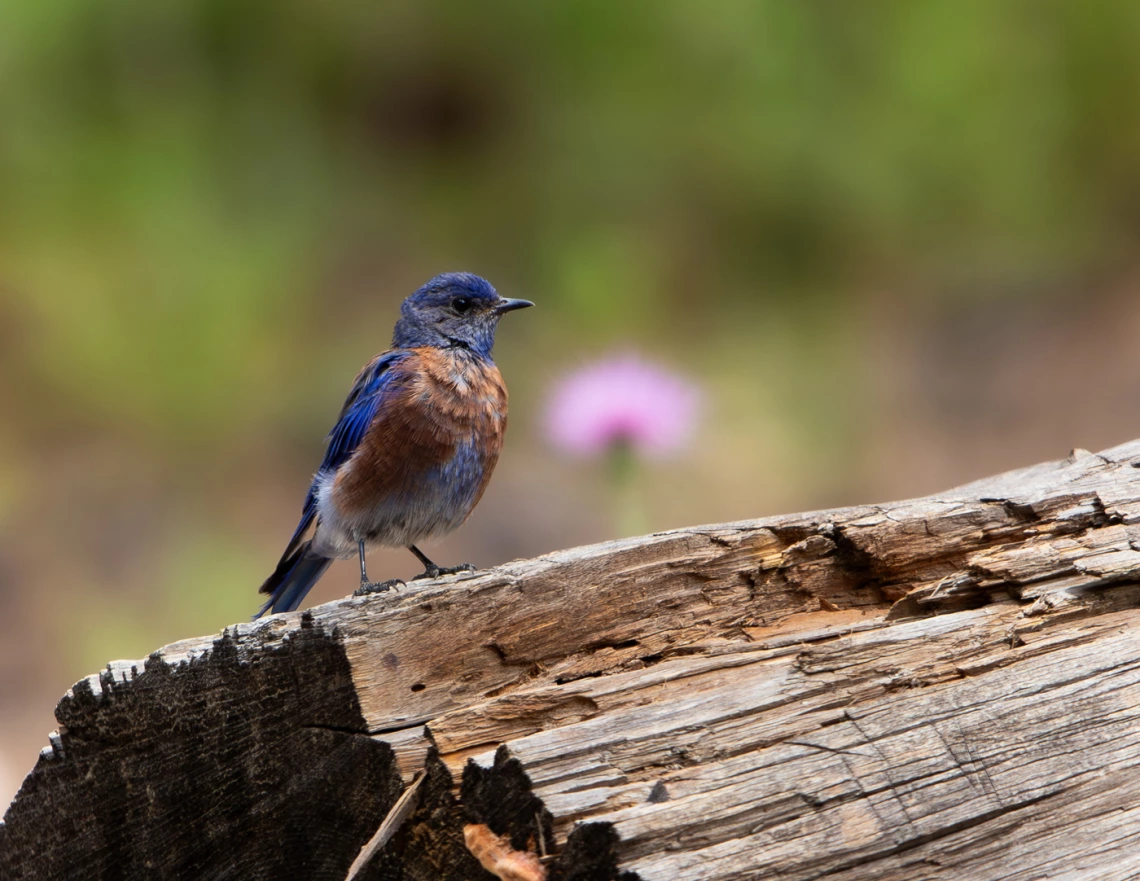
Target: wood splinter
{"points": [[495, 854], [400, 812]]}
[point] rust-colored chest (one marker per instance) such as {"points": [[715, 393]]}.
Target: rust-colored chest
{"points": [[439, 431], [464, 392]]}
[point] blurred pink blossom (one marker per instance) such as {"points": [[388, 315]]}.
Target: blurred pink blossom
{"points": [[622, 399]]}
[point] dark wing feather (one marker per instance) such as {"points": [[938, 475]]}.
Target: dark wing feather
{"points": [[355, 416]]}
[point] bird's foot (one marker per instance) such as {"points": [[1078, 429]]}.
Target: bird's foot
{"points": [[436, 571], [370, 587]]}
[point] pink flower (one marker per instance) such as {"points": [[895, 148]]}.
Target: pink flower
{"points": [[622, 400]]}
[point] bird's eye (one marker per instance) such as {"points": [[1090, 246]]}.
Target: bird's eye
{"points": [[460, 304]]}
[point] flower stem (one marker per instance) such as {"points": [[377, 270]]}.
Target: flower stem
{"points": [[623, 470]]}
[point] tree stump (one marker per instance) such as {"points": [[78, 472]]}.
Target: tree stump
{"points": [[941, 688]]}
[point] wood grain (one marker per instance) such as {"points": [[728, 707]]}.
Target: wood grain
{"points": [[940, 688]]}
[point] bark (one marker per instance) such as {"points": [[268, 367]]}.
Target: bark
{"points": [[941, 688]]}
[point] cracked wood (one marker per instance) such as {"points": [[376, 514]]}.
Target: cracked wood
{"points": [[942, 688]]}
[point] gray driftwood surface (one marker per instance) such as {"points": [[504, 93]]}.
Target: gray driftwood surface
{"points": [[943, 688]]}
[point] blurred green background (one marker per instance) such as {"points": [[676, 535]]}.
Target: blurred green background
{"points": [[893, 242]]}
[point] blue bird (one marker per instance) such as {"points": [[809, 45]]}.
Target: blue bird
{"points": [[415, 443]]}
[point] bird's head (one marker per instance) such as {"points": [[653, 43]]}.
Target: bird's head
{"points": [[453, 309]]}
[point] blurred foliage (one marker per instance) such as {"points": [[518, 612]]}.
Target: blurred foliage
{"points": [[180, 179], [209, 210]]}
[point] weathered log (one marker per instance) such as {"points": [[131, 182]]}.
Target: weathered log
{"points": [[940, 688]]}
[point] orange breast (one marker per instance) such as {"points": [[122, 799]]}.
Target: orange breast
{"points": [[441, 401]]}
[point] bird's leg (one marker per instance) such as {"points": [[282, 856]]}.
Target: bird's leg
{"points": [[366, 586], [433, 571]]}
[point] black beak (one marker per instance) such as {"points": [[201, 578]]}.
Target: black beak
{"points": [[505, 305]]}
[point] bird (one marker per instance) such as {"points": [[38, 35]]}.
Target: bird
{"points": [[414, 446]]}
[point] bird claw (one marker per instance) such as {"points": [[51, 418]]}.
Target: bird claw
{"points": [[436, 571], [371, 587]]}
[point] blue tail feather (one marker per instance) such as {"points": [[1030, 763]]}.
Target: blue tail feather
{"points": [[294, 577]]}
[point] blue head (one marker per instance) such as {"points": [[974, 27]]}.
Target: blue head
{"points": [[453, 309]]}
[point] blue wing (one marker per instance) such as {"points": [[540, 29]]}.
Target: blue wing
{"points": [[358, 411], [355, 416]]}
